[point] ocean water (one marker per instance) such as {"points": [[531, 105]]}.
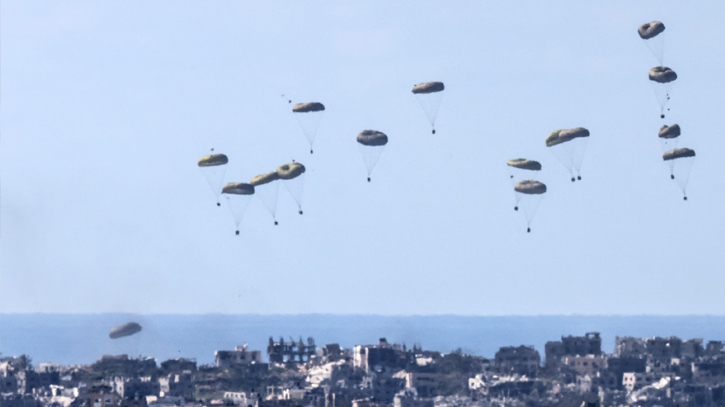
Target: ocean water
{"points": [[83, 338]]}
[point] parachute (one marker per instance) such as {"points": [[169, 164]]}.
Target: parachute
{"points": [[238, 195], [124, 330], [524, 164], [371, 144], [520, 169], [308, 116], [267, 190], [429, 97], [293, 175], [662, 79], [569, 146], [530, 194], [680, 161], [653, 36], [214, 167], [669, 136]]}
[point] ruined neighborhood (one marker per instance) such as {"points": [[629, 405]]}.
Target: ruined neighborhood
{"points": [[574, 371]]}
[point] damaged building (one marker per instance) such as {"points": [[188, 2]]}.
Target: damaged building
{"points": [[290, 352]]}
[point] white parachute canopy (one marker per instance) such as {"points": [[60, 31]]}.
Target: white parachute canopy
{"points": [[213, 167], [308, 116], [429, 95]]}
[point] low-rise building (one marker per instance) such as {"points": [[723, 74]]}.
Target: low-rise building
{"points": [[332, 371], [510, 386], [244, 399], [617, 366], [425, 384], [241, 355], [380, 358], [709, 372], [589, 344], [131, 387], [692, 349], [154, 401], [382, 386], [629, 347], [521, 360], [633, 381], [98, 396], [664, 348], [178, 365], [177, 385], [586, 365], [8, 384], [27, 380], [330, 353], [409, 398], [714, 348], [136, 401]]}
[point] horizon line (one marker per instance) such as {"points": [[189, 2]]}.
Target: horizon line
{"points": [[360, 315]]}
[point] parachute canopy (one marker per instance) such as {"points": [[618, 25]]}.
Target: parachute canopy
{"points": [[428, 87], [264, 179], [372, 138], [524, 164], [290, 171], [562, 136], [308, 107], [662, 74], [668, 132], [650, 30], [213, 160], [530, 187], [678, 153], [238, 188], [124, 330]]}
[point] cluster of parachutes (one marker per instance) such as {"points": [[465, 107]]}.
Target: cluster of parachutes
{"points": [[309, 116], [679, 160], [568, 146], [264, 186]]}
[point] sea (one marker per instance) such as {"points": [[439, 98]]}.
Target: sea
{"points": [[70, 339]]}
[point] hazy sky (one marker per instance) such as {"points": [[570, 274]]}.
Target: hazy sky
{"points": [[106, 107]]}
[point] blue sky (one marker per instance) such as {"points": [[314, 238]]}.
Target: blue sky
{"points": [[106, 108]]}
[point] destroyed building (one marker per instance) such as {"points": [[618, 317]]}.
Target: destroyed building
{"points": [[179, 365], [177, 385], [589, 344], [642, 372], [381, 357], [521, 360], [290, 352], [128, 387], [241, 355], [629, 347], [664, 348]]}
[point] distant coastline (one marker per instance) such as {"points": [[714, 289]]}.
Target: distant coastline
{"points": [[83, 338]]}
